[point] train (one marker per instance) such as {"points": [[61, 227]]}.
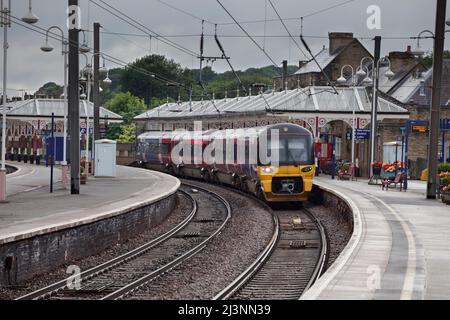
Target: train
{"points": [[273, 162]]}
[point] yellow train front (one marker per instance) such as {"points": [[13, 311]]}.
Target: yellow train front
{"points": [[290, 178]]}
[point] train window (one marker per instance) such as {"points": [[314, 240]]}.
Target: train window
{"points": [[297, 149], [292, 151]]}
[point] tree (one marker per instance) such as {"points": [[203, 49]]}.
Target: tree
{"points": [[428, 59], [127, 106], [50, 89], [144, 85]]}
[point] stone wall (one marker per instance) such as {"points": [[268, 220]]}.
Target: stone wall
{"points": [[23, 259]]}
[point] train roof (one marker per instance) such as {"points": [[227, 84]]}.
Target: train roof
{"points": [[285, 128]]}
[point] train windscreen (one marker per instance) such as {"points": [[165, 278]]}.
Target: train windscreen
{"points": [[293, 150]]}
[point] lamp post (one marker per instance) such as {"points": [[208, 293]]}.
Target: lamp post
{"points": [[438, 37], [374, 82], [87, 72], [48, 48], [5, 22], [342, 80]]}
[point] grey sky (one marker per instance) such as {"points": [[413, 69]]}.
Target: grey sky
{"points": [[29, 67]]}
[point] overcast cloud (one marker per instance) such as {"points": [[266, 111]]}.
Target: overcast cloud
{"points": [[29, 67]]}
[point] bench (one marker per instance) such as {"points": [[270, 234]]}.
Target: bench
{"points": [[399, 178]]}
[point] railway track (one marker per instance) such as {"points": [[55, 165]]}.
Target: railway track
{"points": [[123, 275], [292, 261]]}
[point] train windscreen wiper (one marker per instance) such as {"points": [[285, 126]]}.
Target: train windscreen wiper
{"points": [[292, 157]]}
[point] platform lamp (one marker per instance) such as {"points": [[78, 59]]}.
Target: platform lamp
{"points": [[86, 75], [343, 80], [5, 22], [65, 51], [370, 81]]}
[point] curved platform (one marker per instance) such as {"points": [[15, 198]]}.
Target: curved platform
{"points": [[40, 230], [398, 250], [31, 210]]}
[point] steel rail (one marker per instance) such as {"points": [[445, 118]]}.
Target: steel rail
{"points": [[323, 256], [48, 291], [130, 288]]}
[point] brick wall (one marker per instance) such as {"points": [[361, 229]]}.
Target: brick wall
{"points": [[125, 153], [44, 253]]}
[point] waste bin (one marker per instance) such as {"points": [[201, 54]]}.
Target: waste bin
{"points": [[105, 158]]}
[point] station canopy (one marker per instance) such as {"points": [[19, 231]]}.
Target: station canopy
{"points": [[43, 108], [308, 100]]}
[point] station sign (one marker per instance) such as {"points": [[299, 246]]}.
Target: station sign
{"points": [[83, 130], [420, 128], [361, 134]]}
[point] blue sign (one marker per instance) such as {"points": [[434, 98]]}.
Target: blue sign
{"points": [[445, 124], [361, 134]]}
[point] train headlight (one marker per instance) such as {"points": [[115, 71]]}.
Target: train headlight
{"points": [[306, 169], [267, 170]]}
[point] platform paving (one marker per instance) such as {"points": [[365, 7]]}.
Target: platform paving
{"points": [[29, 177], [399, 248], [31, 210]]}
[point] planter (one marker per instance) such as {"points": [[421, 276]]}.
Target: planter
{"points": [[445, 197], [387, 174], [83, 179], [376, 171]]}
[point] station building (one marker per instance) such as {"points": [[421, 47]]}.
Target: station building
{"points": [[308, 98], [325, 113], [28, 126]]}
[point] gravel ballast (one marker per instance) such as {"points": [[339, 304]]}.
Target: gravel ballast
{"points": [[225, 257]]}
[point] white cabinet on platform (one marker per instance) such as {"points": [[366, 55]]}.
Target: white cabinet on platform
{"points": [[105, 158]]}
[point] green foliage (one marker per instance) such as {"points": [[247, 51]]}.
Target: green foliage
{"points": [[444, 167], [126, 105], [122, 133], [51, 89], [127, 134], [445, 181], [427, 60], [147, 87], [114, 130]]}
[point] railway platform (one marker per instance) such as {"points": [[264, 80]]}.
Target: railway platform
{"points": [[398, 249], [28, 177], [45, 229]]}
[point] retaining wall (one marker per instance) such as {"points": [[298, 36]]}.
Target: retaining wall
{"points": [[21, 260]]}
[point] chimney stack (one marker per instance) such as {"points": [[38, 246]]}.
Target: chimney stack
{"points": [[402, 61], [285, 70], [339, 40]]}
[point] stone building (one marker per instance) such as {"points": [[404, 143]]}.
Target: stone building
{"points": [[320, 109], [28, 125], [412, 88], [309, 100], [343, 49]]}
